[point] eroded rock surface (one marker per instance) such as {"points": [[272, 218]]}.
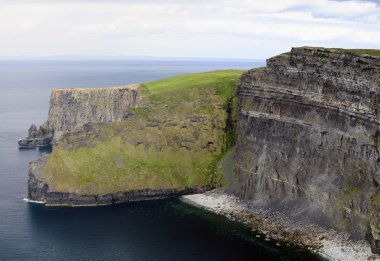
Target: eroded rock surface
{"points": [[41, 137], [308, 139], [70, 109], [160, 142]]}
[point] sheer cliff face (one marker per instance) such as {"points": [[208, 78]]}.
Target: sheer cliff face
{"points": [[120, 146], [70, 109], [308, 138]]}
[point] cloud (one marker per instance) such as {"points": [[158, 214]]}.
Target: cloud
{"points": [[209, 28]]}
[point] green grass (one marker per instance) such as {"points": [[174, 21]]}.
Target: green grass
{"points": [[117, 166], [143, 112], [375, 200], [221, 79], [174, 141], [375, 206], [349, 193], [372, 52]]}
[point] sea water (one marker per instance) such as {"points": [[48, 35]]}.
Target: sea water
{"points": [[150, 230]]}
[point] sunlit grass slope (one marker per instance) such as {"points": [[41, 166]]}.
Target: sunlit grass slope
{"points": [[220, 79], [174, 140]]}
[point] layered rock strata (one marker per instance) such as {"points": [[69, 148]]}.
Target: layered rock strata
{"points": [[70, 109], [308, 139], [160, 143]]}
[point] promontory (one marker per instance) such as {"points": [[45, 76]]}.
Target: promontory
{"points": [[301, 135]]}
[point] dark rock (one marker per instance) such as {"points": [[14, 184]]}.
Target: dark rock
{"points": [[33, 131], [129, 115], [308, 138], [187, 144], [375, 245], [37, 189], [154, 123], [36, 138], [196, 118]]}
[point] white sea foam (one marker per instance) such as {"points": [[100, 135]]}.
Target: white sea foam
{"points": [[32, 201]]}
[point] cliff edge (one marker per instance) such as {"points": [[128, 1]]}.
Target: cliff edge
{"points": [[138, 142], [70, 109], [308, 139]]}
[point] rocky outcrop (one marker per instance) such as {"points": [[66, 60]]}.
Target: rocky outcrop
{"points": [[70, 109], [160, 145], [308, 139], [40, 191], [41, 138]]}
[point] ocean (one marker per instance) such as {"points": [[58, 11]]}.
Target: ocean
{"points": [[151, 230]]}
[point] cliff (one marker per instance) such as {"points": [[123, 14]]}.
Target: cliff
{"points": [[37, 137], [161, 139], [70, 109], [39, 190], [306, 126], [308, 139]]}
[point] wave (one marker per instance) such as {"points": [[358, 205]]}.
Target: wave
{"points": [[33, 201]]}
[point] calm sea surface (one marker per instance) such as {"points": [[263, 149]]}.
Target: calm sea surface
{"points": [[154, 230]]}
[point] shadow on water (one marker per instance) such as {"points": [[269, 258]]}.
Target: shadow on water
{"points": [[47, 149], [150, 230]]}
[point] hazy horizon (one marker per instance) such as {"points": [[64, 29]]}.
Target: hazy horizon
{"points": [[120, 58], [177, 28]]}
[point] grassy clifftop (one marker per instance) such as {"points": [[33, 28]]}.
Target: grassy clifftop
{"points": [[371, 52], [174, 140]]}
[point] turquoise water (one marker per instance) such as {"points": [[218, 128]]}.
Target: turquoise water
{"points": [[154, 230]]}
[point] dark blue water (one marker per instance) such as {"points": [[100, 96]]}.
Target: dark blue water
{"points": [[154, 230]]}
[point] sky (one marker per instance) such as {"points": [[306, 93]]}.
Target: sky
{"points": [[243, 29]]}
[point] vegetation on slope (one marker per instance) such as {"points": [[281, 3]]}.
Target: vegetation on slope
{"points": [[174, 140], [376, 199], [372, 52]]}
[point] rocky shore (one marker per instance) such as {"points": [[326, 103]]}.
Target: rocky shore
{"points": [[302, 135], [58, 199], [330, 244], [308, 140]]}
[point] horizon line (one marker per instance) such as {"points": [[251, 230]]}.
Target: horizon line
{"points": [[123, 58]]}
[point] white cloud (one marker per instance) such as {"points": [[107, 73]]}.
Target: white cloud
{"points": [[223, 28]]}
